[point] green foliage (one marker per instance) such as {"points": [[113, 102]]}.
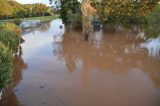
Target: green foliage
{"points": [[48, 13], [77, 20], [5, 10], [43, 19], [17, 22], [12, 9], [153, 24], [126, 10], [69, 7], [74, 19], [9, 39], [5, 65], [154, 16], [11, 27], [40, 9]]}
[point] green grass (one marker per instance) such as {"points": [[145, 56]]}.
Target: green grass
{"points": [[42, 19], [6, 70]]}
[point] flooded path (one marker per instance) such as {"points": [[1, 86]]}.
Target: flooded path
{"points": [[108, 70]]}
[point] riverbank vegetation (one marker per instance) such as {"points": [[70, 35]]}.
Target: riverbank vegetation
{"points": [[9, 43], [6, 65], [12, 9], [12, 14], [153, 22], [123, 12]]}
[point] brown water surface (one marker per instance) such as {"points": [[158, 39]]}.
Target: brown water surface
{"points": [[108, 70]]}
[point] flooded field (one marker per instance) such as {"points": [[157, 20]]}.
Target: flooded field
{"points": [[108, 70]]}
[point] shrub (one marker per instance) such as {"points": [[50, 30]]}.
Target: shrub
{"points": [[77, 20], [17, 22], [48, 14], [153, 23], [154, 16], [11, 27], [124, 19], [9, 39], [5, 65]]}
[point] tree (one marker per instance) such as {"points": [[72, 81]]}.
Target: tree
{"points": [[40, 9], [67, 7], [5, 10], [133, 9]]}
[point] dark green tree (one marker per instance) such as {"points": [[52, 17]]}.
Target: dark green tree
{"points": [[67, 7]]}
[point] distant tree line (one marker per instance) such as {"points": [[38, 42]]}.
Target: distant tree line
{"points": [[13, 9]]}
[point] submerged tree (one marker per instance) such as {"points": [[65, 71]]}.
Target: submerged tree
{"points": [[87, 13]]}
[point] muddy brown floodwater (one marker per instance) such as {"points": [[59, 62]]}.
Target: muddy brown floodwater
{"points": [[108, 70]]}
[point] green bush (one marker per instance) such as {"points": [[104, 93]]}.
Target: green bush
{"points": [[77, 20], [154, 16], [9, 39], [17, 22], [153, 23], [124, 19], [5, 65], [48, 14], [11, 27]]}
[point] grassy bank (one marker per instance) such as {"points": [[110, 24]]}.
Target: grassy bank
{"points": [[42, 19], [9, 42]]}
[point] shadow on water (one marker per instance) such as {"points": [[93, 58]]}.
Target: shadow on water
{"points": [[109, 69]]}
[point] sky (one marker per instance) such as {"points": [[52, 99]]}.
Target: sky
{"points": [[33, 1]]}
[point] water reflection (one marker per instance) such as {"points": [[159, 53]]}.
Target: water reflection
{"points": [[106, 55], [109, 69], [43, 27], [115, 55]]}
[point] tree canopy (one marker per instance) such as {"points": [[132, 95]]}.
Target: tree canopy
{"points": [[13, 9]]}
